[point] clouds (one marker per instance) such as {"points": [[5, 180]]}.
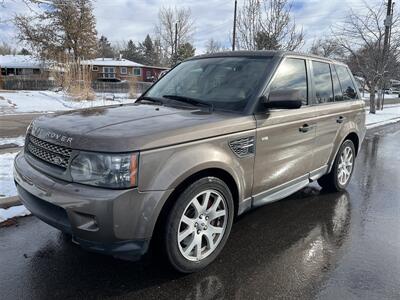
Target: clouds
{"points": [[121, 20]]}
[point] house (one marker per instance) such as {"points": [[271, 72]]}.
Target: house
{"points": [[22, 66], [110, 69]]}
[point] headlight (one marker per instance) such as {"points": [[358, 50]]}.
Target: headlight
{"points": [[105, 170]]}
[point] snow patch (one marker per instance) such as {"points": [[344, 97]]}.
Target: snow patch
{"points": [[389, 114], [13, 212], [7, 186], [19, 141], [49, 101]]}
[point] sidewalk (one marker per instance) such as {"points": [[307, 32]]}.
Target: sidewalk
{"points": [[390, 114]]}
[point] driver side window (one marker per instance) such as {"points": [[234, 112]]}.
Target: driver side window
{"points": [[292, 75]]}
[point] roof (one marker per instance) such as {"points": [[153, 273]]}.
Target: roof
{"points": [[111, 62], [262, 53], [21, 61]]}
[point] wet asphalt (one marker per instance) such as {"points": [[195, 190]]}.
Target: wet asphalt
{"points": [[312, 245]]}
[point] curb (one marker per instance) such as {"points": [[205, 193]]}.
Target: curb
{"points": [[392, 121], [9, 201]]}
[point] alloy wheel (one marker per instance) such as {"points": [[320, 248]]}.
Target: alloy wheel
{"points": [[345, 166], [202, 225]]}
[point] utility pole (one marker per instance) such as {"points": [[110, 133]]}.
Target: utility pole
{"points": [[386, 45], [176, 42], [388, 25], [234, 27]]}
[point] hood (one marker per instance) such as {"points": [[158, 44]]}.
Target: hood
{"points": [[132, 127]]}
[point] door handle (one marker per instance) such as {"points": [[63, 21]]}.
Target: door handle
{"points": [[305, 128], [340, 119]]}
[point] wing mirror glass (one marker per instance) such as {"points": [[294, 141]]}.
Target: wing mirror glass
{"points": [[289, 99]]}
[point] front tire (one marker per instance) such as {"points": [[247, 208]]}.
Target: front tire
{"points": [[339, 177], [198, 224]]}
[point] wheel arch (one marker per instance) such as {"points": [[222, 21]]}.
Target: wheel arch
{"points": [[220, 173], [352, 136]]}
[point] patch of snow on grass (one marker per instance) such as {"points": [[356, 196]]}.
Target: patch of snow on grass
{"points": [[49, 101], [386, 116], [13, 212], [19, 141], [7, 186]]}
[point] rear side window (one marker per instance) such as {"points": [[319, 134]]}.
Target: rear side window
{"points": [[347, 84], [322, 82], [292, 75], [337, 89]]}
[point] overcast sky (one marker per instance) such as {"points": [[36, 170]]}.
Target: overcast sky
{"points": [[121, 20]]}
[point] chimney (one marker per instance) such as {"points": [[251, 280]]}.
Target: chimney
{"points": [[120, 56]]}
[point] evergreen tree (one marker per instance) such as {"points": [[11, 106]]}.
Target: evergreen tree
{"points": [[24, 52], [185, 51], [133, 52], [148, 50], [104, 48]]}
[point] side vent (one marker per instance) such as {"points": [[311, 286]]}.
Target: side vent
{"points": [[243, 147]]}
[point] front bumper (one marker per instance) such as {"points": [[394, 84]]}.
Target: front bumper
{"points": [[116, 222]]}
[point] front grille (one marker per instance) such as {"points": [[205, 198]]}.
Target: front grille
{"points": [[50, 153]]}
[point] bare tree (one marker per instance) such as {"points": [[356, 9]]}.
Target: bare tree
{"points": [[268, 24], [169, 19], [213, 46], [248, 24], [361, 36], [6, 48], [67, 27], [327, 47]]}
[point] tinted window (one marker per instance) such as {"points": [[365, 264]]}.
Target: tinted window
{"points": [[337, 89], [292, 75], [228, 83], [348, 88], [322, 82]]}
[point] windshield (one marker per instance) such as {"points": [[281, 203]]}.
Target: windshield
{"points": [[226, 83]]}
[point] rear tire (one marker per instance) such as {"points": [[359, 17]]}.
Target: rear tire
{"points": [[198, 225], [339, 177]]}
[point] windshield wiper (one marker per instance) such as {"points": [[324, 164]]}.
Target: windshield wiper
{"points": [[150, 99], [192, 101]]}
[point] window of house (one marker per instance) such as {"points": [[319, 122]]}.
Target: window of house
{"points": [[95, 68], [123, 70], [322, 82], [108, 72], [3, 71], [347, 84], [148, 74], [292, 75], [137, 72], [36, 71]]}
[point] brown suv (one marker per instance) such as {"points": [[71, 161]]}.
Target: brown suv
{"points": [[216, 136]]}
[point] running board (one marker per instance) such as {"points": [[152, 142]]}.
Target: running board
{"points": [[280, 192]]}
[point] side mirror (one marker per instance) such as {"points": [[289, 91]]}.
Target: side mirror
{"points": [[288, 99]]}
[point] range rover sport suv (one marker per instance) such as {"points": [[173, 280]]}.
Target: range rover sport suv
{"points": [[216, 136]]}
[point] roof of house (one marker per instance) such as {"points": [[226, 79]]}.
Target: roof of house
{"points": [[21, 61], [111, 62]]}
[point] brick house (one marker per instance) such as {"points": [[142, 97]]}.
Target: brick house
{"points": [[110, 69], [22, 66]]}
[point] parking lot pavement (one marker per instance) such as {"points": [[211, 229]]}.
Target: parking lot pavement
{"points": [[312, 245]]}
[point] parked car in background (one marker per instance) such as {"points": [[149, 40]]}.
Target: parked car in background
{"points": [[216, 136], [162, 73]]}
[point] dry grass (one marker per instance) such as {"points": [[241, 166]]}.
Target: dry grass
{"points": [[75, 80], [133, 89]]}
